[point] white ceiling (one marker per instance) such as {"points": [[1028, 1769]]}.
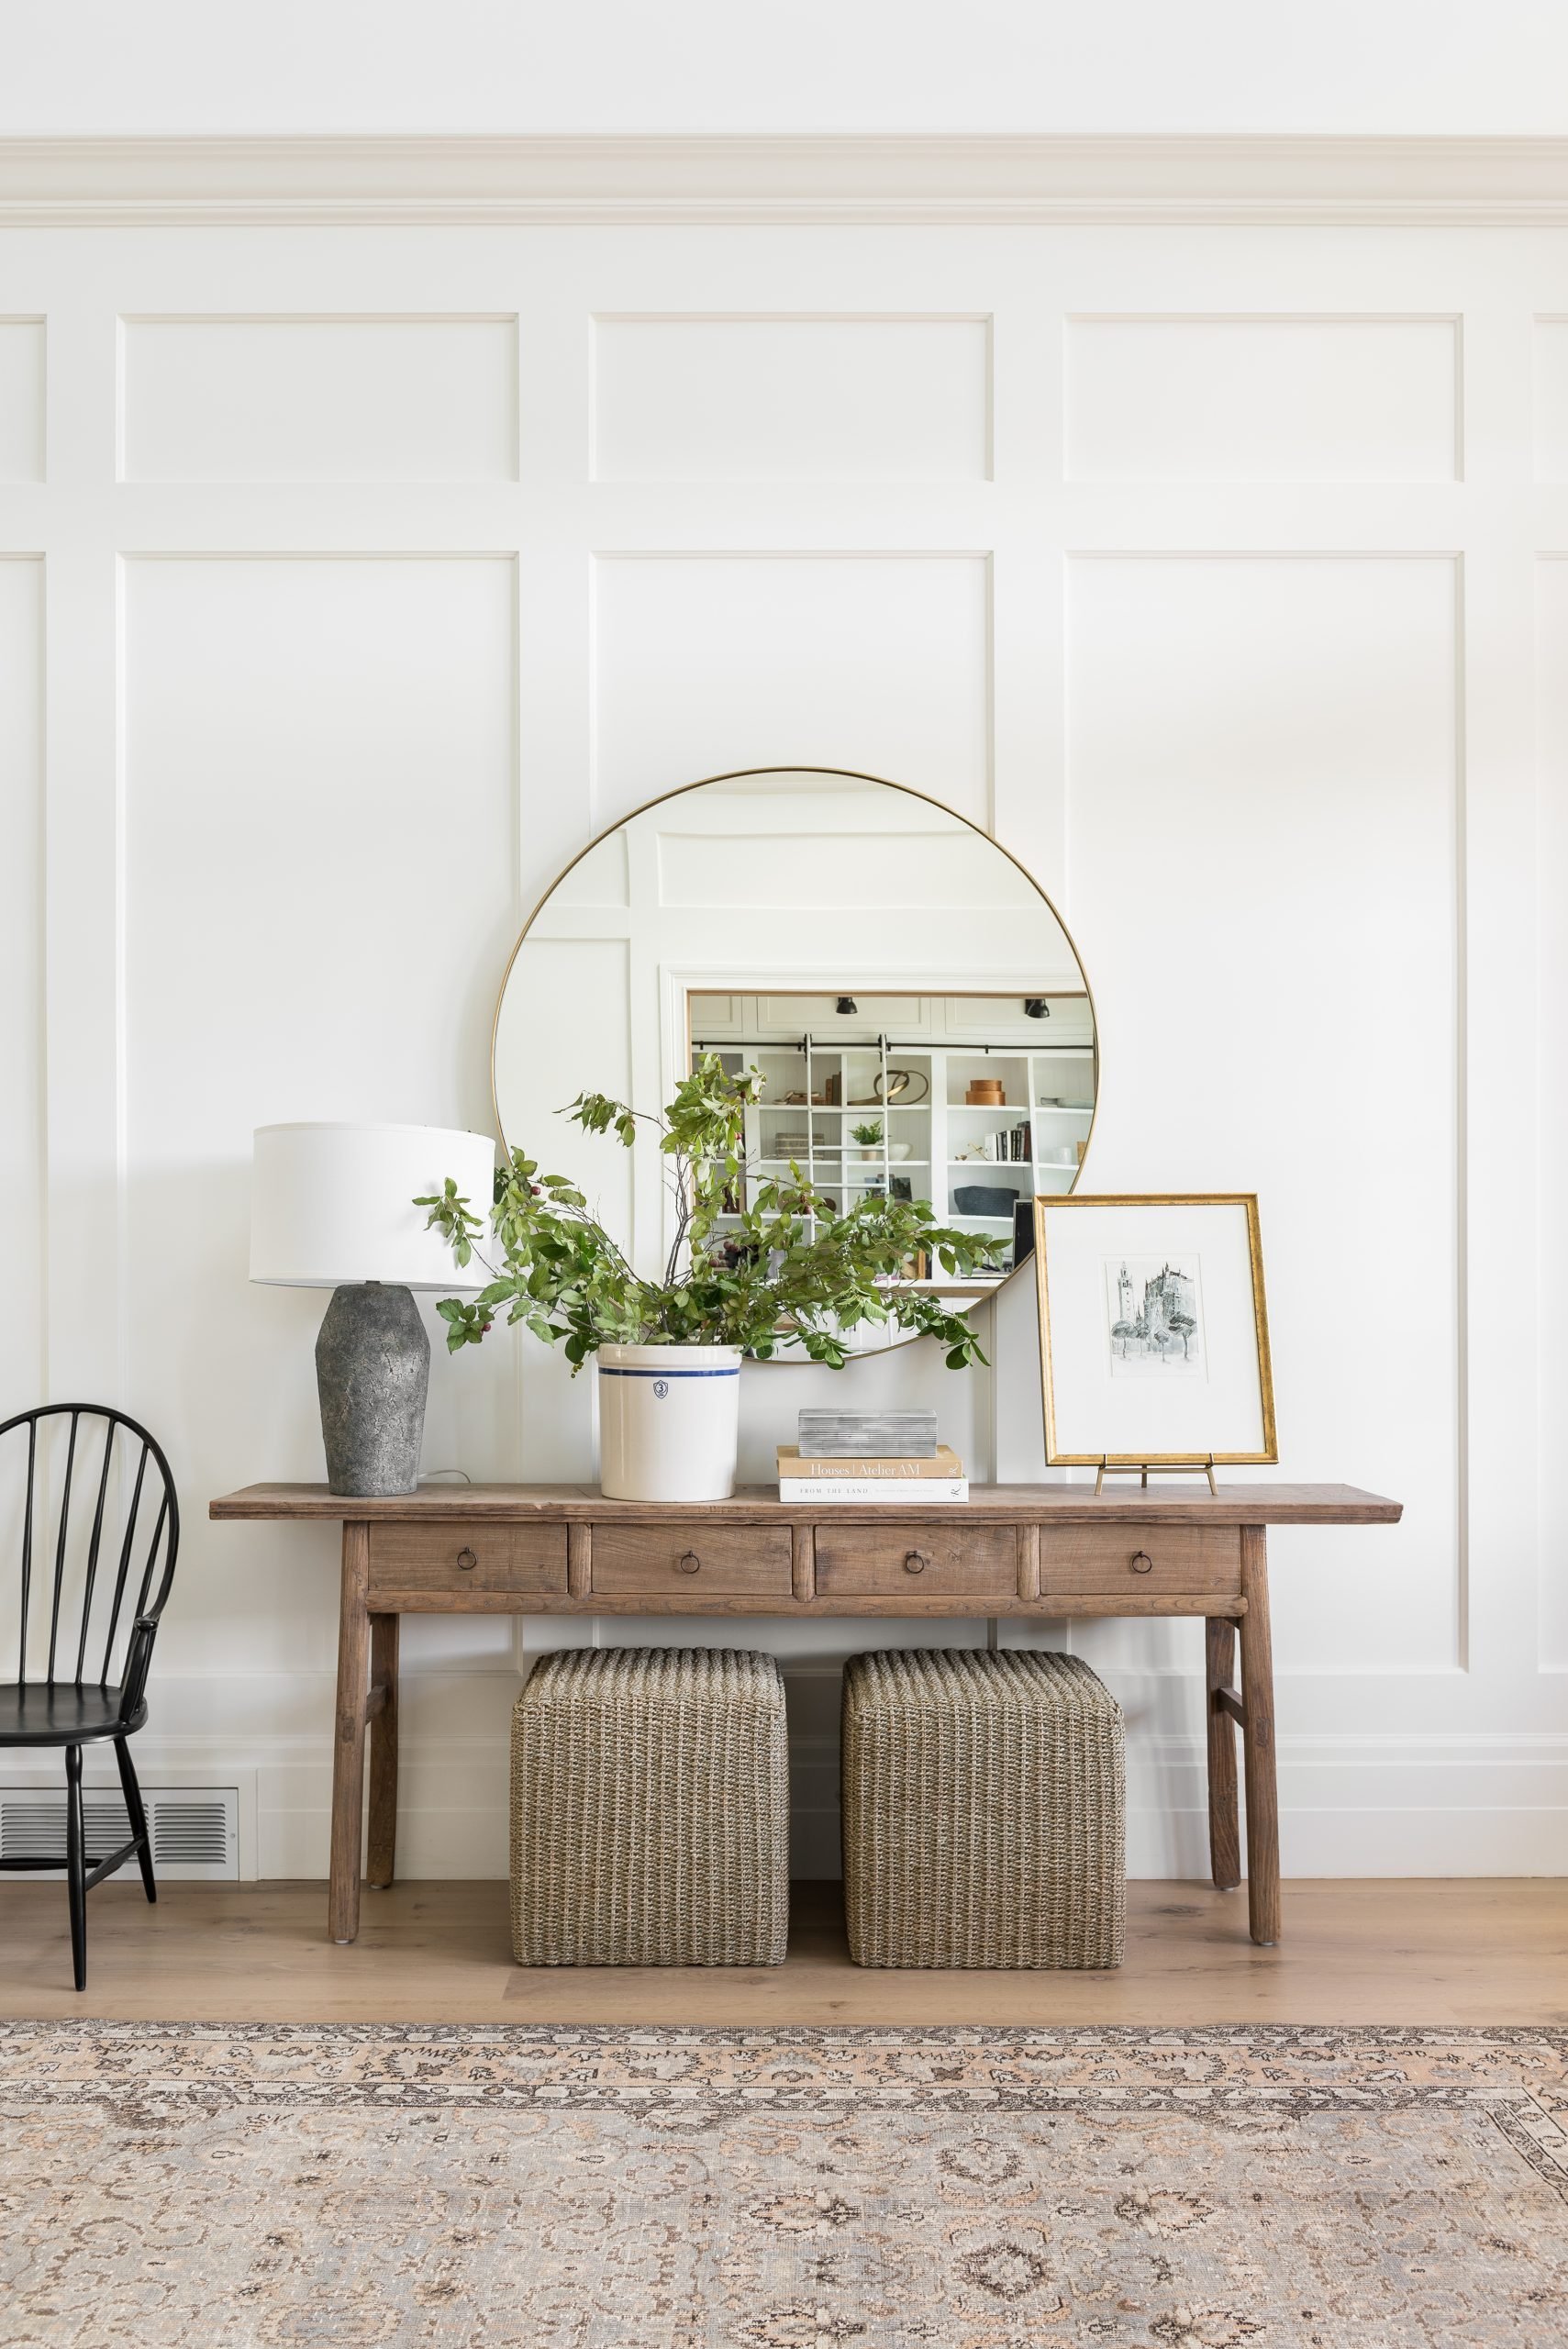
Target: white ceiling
{"points": [[455, 66]]}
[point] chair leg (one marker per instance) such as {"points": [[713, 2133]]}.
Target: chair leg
{"points": [[137, 1815], [76, 1864]]}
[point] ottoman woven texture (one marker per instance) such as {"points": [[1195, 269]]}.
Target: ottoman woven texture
{"points": [[984, 1804], [651, 1809]]}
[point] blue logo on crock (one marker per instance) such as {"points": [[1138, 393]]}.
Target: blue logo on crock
{"points": [[660, 1388]]}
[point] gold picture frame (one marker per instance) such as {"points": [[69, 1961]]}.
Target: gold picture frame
{"points": [[1114, 1456]]}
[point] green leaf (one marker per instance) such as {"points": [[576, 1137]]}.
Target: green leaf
{"points": [[759, 1264]]}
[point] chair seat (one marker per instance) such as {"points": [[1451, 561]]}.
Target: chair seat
{"points": [[32, 1713]]}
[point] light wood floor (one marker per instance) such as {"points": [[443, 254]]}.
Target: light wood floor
{"points": [[1491, 1950]]}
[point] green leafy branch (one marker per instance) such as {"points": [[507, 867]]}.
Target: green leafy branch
{"points": [[785, 1270]]}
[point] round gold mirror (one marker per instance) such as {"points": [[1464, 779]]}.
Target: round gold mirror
{"points": [[909, 996]]}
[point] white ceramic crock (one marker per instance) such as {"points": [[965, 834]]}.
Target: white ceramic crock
{"points": [[669, 1423]]}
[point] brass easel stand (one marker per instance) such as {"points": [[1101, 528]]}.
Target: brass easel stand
{"points": [[1139, 1468]]}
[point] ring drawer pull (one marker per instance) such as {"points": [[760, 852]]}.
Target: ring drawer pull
{"points": [[688, 1562], [466, 1560], [914, 1562], [1142, 1564]]}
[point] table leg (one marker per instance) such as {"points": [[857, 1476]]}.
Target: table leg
{"points": [[1258, 1743], [382, 1846], [349, 1739], [1223, 1818]]}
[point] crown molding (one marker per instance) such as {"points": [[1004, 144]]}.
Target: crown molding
{"points": [[872, 181]]}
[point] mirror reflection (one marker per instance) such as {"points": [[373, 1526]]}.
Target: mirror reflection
{"points": [[914, 1010]]}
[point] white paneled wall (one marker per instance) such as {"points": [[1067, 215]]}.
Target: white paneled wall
{"points": [[318, 399], [809, 399], [348, 579], [21, 399], [1549, 1258], [24, 1360], [1265, 399], [1303, 706], [695, 652]]}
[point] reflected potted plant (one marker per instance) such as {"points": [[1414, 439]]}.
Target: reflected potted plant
{"points": [[869, 1136], [754, 1267]]}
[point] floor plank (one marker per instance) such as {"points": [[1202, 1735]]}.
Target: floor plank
{"points": [[1491, 1950]]}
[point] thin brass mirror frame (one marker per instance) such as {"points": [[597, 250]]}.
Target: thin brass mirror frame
{"points": [[850, 774]]}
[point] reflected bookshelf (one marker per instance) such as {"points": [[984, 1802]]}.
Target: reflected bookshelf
{"points": [[922, 1136]]}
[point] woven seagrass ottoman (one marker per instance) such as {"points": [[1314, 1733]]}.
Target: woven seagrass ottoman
{"points": [[983, 1810], [651, 1809]]}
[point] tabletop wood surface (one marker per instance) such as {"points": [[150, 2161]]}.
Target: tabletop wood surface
{"points": [[1061, 1504]]}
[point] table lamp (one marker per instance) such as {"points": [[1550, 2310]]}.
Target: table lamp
{"points": [[332, 1207]]}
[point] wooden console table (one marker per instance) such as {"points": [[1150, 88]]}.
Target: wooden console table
{"points": [[1014, 1550]]}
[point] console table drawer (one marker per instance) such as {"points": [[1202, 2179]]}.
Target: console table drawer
{"points": [[449, 1559], [914, 1562], [732, 1561], [1088, 1560]]}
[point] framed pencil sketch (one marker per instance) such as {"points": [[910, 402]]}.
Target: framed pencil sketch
{"points": [[1154, 1335]]}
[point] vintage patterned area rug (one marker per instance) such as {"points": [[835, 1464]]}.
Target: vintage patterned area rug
{"points": [[1272, 2187]]}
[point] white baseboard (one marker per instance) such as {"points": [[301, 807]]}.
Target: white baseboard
{"points": [[1166, 1845], [1390, 1807]]}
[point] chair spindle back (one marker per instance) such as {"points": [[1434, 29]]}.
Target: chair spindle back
{"points": [[89, 1499]]}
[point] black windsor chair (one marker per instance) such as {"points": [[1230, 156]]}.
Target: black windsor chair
{"points": [[96, 1576]]}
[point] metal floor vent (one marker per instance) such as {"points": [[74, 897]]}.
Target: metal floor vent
{"points": [[195, 1830]]}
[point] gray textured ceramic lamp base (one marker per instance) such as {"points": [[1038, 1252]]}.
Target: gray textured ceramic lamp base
{"points": [[372, 1371]]}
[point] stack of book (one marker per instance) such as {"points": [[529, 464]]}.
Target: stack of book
{"points": [[859, 1456]]}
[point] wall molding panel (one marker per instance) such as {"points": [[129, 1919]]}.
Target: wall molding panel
{"points": [[685, 655], [23, 1166], [1375, 398], [318, 396], [824, 397], [23, 374], [349, 581]]}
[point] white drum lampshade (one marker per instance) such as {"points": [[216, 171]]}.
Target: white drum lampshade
{"points": [[332, 1207], [335, 1202]]}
